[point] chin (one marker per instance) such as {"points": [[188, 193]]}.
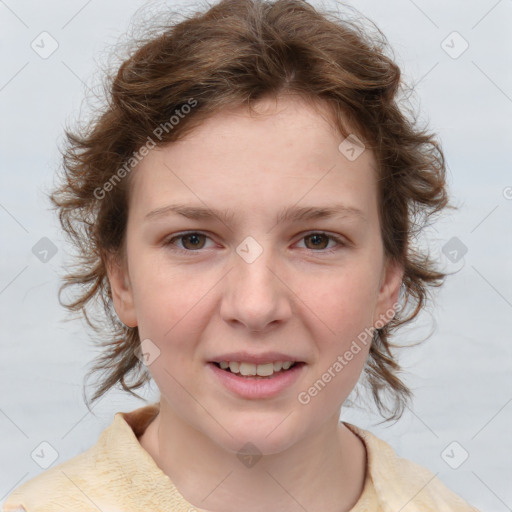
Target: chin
{"points": [[264, 436]]}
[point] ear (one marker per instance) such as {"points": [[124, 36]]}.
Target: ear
{"points": [[391, 281], [122, 294]]}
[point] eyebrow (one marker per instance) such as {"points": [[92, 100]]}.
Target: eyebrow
{"points": [[288, 214]]}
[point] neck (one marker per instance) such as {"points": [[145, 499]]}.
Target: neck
{"points": [[324, 471]]}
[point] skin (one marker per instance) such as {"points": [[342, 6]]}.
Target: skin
{"points": [[294, 298]]}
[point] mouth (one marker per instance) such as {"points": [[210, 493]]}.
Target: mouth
{"points": [[251, 381], [254, 371]]}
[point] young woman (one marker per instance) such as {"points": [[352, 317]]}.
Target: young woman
{"points": [[244, 205]]}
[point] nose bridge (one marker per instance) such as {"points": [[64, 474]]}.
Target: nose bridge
{"points": [[253, 263], [255, 295]]}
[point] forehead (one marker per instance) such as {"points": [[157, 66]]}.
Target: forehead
{"points": [[287, 149]]}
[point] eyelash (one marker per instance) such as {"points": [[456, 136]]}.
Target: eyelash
{"points": [[338, 240]]}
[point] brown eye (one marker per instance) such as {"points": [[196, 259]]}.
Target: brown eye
{"points": [[193, 241], [318, 241], [189, 242]]}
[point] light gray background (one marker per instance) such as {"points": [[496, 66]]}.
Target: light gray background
{"points": [[461, 376]]}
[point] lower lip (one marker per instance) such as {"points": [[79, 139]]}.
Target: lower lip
{"points": [[253, 387]]}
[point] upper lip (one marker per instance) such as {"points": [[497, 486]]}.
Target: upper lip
{"points": [[264, 357]]}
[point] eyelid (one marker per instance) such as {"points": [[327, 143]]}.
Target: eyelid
{"points": [[340, 240], [168, 241]]}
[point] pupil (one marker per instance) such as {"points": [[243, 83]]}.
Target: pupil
{"points": [[316, 237], [195, 238]]}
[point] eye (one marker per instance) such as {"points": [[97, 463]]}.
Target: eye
{"points": [[319, 238], [193, 241]]}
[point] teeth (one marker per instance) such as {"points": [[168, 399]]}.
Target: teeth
{"points": [[246, 368], [262, 370]]}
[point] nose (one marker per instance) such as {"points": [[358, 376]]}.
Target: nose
{"points": [[255, 292]]}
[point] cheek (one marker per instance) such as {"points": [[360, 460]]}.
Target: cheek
{"points": [[172, 312], [164, 297], [344, 306], [343, 340]]}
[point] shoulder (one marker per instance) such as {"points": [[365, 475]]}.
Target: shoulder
{"points": [[46, 490], [74, 484], [116, 474], [402, 484]]}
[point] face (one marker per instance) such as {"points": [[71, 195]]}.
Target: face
{"points": [[248, 280]]}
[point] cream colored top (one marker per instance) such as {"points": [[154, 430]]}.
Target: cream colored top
{"points": [[118, 475]]}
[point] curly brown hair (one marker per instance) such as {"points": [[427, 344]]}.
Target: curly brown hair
{"points": [[231, 54]]}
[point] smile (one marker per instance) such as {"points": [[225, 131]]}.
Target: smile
{"points": [[244, 380], [262, 370]]}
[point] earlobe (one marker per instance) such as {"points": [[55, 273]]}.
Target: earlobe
{"points": [[122, 295], [389, 293]]}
